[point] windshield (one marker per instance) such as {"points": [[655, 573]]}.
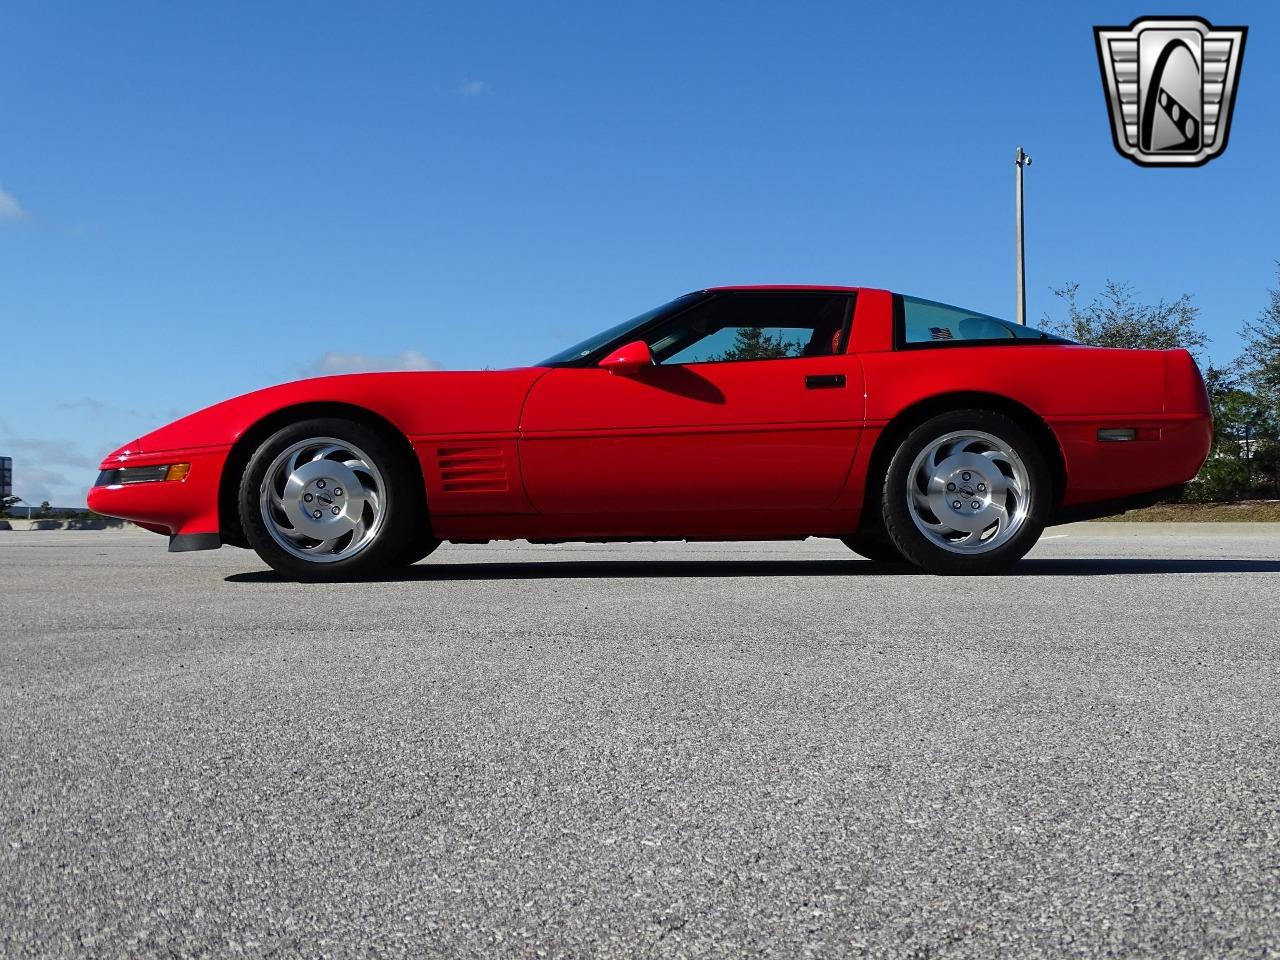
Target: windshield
{"points": [[616, 333]]}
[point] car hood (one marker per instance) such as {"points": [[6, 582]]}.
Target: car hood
{"points": [[418, 403]]}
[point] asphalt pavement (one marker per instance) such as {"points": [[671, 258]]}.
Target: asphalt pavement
{"points": [[658, 750]]}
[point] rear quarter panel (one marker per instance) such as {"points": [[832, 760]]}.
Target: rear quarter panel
{"points": [[1053, 380], [1076, 390]]}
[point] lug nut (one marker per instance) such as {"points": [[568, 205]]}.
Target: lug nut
{"points": [[320, 484], [315, 514], [951, 486], [335, 511], [337, 491], [956, 504], [976, 504], [307, 498], [982, 488], [965, 475]]}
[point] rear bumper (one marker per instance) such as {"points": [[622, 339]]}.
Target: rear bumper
{"points": [[1170, 451], [180, 509], [1112, 508]]}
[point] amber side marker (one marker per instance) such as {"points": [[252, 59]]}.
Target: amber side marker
{"points": [[124, 476]]}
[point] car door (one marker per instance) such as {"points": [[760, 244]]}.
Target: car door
{"points": [[737, 432]]}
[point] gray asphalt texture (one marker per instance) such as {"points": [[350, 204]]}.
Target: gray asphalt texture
{"points": [[701, 750]]}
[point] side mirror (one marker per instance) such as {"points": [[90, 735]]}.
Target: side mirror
{"points": [[629, 358]]}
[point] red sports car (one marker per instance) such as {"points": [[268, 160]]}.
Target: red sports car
{"points": [[911, 430]]}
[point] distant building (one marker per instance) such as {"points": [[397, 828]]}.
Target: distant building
{"points": [[6, 476]]}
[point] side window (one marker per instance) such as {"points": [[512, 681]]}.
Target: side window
{"points": [[744, 343], [924, 321], [765, 325]]}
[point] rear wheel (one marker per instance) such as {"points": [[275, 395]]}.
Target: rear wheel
{"points": [[330, 499], [966, 492]]}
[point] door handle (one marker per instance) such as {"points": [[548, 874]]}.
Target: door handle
{"points": [[824, 381]]}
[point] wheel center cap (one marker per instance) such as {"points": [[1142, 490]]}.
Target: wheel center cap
{"points": [[963, 486], [327, 492], [329, 503]]}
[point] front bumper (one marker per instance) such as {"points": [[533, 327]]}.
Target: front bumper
{"points": [[185, 510], [187, 542]]}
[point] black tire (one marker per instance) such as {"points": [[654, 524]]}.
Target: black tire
{"points": [[874, 545], [418, 547], [923, 552], [401, 534]]}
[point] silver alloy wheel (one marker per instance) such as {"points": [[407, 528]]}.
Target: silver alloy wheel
{"points": [[323, 499], [968, 492]]}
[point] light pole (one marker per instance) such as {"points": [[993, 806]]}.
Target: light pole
{"points": [[1021, 160]]}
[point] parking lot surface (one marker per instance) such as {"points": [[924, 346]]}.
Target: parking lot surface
{"points": [[707, 750]]}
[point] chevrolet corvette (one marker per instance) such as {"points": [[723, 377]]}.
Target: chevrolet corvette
{"points": [[915, 432]]}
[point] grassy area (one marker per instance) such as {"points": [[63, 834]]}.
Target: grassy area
{"points": [[1249, 511]]}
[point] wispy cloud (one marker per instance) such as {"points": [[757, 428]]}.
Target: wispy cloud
{"points": [[475, 88], [333, 362], [62, 453], [35, 485], [48, 469], [98, 408], [10, 208]]}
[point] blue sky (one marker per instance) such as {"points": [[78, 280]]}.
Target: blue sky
{"points": [[202, 200]]}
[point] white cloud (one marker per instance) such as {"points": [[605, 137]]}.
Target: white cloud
{"points": [[35, 485], [48, 469], [333, 362], [61, 453], [474, 88], [10, 208], [97, 408]]}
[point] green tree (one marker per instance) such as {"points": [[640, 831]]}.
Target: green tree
{"points": [[1266, 463], [1221, 478], [753, 343], [44, 508], [1246, 429], [1239, 415], [1115, 318], [1260, 362], [6, 503]]}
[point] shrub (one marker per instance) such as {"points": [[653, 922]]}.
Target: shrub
{"points": [[1221, 478]]}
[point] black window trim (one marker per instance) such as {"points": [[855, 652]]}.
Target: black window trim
{"points": [[846, 329], [846, 326]]}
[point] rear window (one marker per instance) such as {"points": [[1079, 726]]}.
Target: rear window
{"points": [[939, 324]]}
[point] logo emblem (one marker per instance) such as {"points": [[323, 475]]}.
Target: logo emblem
{"points": [[1170, 85]]}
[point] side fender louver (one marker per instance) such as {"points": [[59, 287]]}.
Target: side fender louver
{"points": [[473, 470]]}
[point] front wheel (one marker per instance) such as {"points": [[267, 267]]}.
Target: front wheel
{"points": [[966, 492], [330, 499], [418, 547], [875, 546]]}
